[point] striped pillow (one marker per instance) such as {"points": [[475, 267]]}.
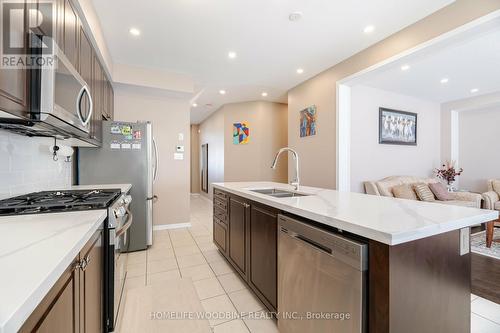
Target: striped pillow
{"points": [[424, 193]]}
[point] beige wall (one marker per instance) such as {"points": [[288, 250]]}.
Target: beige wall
{"points": [[268, 133], [212, 133], [195, 159], [251, 162], [169, 117], [318, 154]]}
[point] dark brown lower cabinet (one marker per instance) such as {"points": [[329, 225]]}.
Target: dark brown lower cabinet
{"points": [[249, 242], [238, 225], [263, 240], [74, 304], [91, 285], [220, 235]]}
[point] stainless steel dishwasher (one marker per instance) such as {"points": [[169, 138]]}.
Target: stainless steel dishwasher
{"points": [[321, 280]]}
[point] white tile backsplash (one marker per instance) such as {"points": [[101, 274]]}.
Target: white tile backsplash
{"points": [[27, 166]]}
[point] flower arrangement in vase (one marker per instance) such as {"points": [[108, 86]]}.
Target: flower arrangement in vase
{"points": [[448, 172]]}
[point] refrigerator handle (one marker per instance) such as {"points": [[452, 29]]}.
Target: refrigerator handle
{"points": [[157, 161]]}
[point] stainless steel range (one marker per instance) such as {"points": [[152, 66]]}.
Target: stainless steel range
{"points": [[116, 235]]}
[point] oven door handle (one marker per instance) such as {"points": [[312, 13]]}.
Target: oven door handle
{"points": [[127, 224]]}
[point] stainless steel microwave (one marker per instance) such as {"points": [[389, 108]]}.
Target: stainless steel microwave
{"points": [[60, 103]]}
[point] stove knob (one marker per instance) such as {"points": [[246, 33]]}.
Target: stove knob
{"points": [[119, 212], [127, 199]]}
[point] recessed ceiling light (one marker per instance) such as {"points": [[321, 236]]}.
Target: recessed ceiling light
{"points": [[231, 55], [474, 90], [405, 67], [135, 32], [444, 80], [300, 71], [195, 105], [368, 29], [222, 92], [295, 16], [264, 94]]}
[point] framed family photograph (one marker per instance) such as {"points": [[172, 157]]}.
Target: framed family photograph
{"points": [[397, 127]]}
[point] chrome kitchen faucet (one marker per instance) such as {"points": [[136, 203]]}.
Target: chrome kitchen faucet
{"points": [[295, 182]]}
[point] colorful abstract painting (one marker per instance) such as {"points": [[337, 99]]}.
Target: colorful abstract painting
{"points": [[240, 133], [308, 121]]}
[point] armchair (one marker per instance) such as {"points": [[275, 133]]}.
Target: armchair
{"points": [[491, 201]]}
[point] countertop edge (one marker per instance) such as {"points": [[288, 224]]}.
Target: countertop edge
{"points": [[18, 318], [376, 235], [125, 187]]}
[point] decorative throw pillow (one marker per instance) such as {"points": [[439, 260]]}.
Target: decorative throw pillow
{"points": [[404, 191], [424, 193], [496, 186], [440, 191]]}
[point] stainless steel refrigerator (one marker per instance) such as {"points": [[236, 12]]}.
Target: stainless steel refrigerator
{"points": [[128, 155]]}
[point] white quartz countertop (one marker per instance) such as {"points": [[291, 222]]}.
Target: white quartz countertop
{"points": [[386, 220], [34, 252], [124, 187]]}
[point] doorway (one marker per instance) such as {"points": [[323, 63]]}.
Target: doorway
{"points": [[204, 167]]}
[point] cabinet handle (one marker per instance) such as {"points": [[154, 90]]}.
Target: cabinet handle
{"points": [[82, 264], [246, 205]]}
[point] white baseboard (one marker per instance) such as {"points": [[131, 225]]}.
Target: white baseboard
{"points": [[205, 198], [171, 226], [195, 194]]}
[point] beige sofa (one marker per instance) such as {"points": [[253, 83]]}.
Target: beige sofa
{"points": [[384, 187]]}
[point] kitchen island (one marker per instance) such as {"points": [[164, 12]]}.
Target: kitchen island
{"points": [[418, 276]]}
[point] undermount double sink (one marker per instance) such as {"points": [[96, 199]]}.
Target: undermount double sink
{"points": [[278, 193]]}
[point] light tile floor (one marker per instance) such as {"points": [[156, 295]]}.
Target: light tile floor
{"points": [[190, 253]]}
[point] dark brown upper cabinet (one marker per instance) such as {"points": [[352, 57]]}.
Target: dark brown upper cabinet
{"points": [[111, 102], [71, 33], [75, 41], [14, 95], [59, 32]]}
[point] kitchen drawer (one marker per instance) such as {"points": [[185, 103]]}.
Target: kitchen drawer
{"points": [[220, 203], [220, 235], [219, 194], [220, 214]]}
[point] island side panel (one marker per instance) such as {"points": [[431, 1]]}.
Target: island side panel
{"points": [[378, 287], [425, 288]]}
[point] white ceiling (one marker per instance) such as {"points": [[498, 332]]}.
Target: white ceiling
{"points": [[194, 36], [470, 60]]}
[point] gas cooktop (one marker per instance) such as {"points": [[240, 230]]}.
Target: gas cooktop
{"points": [[58, 201]]}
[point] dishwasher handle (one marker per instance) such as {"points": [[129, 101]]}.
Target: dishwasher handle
{"points": [[308, 241], [347, 250]]}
